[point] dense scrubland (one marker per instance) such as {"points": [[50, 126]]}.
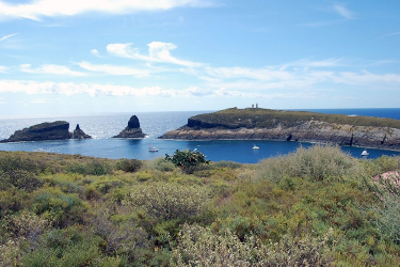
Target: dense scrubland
{"points": [[315, 207]]}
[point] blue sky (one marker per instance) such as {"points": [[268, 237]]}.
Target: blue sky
{"points": [[101, 56]]}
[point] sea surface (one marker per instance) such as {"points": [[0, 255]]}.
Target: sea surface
{"points": [[102, 127]]}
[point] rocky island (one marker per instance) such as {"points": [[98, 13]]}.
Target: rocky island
{"points": [[57, 130], [267, 124], [133, 129]]}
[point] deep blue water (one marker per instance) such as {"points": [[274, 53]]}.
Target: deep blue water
{"points": [[103, 127]]}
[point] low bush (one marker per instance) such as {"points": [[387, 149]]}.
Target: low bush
{"points": [[318, 163], [93, 167], [198, 246], [169, 201], [58, 208], [10, 162], [227, 164], [160, 164], [128, 165], [19, 179]]}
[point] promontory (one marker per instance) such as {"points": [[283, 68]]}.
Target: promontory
{"points": [[57, 130], [267, 124]]}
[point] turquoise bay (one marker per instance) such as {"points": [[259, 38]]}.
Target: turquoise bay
{"points": [[103, 127]]}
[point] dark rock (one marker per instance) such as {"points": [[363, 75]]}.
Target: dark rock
{"points": [[79, 134], [133, 122], [45, 131], [133, 129]]}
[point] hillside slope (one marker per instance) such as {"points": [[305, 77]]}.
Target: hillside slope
{"points": [[265, 124]]}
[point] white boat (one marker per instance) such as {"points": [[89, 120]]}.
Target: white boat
{"points": [[153, 149], [255, 147], [364, 153]]}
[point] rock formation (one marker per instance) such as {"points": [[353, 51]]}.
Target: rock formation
{"points": [[133, 129], [259, 124], [57, 130], [79, 134]]}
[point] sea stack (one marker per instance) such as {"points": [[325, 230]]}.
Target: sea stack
{"points": [[46, 131], [133, 129], [57, 130], [79, 134]]}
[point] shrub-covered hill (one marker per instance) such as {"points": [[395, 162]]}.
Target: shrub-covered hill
{"points": [[265, 124], [269, 118], [315, 207]]}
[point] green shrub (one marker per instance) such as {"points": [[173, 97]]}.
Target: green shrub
{"points": [[58, 208], [12, 201], [318, 163], [164, 165], [121, 239], [10, 162], [19, 179], [227, 164], [169, 201], [67, 247], [128, 165], [187, 160], [388, 221], [386, 163], [93, 167], [198, 246]]}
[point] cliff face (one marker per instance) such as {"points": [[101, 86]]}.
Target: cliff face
{"points": [[133, 129], [57, 130], [288, 128], [45, 131]]}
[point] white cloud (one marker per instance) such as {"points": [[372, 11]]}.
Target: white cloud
{"points": [[50, 69], [34, 87], [3, 69], [367, 78], [304, 63], [35, 10], [343, 11], [7, 36], [158, 52], [96, 53], [114, 70], [265, 74], [293, 78]]}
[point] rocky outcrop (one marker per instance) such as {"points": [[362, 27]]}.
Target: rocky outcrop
{"points": [[79, 134], [57, 130], [215, 127], [133, 129]]}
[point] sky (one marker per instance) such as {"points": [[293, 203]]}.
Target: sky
{"points": [[106, 56]]}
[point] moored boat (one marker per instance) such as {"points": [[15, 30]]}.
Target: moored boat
{"points": [[364, 153], [153, 149]]}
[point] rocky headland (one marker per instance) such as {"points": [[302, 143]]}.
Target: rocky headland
{"points": [[266, 124], [58, 130], [133, 129]]}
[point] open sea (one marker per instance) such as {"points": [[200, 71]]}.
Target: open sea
{"points": [[103, 126]]}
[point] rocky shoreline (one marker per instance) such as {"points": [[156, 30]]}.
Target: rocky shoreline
{"points": [[249, 124], [203, 128]]}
